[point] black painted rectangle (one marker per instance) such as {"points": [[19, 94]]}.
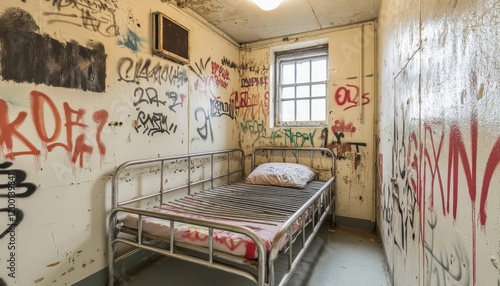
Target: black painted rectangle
{"points": [[40, 59]]}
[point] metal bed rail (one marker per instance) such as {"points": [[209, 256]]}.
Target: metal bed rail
{"points": [[143, 163], [211, 225], [162, 160], [322, 202]]}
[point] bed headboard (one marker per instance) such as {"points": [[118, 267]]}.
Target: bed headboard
{"points": [[321, 159], [144, 179]]}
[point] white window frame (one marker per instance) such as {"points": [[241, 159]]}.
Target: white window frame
{"points": [[298, 55]]}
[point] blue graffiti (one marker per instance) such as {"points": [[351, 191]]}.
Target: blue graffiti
{"points": [[130, 41]]}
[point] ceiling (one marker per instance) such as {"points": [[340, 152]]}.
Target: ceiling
{"points": [[244, 22]]}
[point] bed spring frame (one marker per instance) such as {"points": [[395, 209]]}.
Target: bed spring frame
{"points": [[312, 214]]}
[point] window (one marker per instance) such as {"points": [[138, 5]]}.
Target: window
{"points": [[301, 87]]}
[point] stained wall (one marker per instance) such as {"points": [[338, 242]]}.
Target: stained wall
{"points": [[438, 156], [80, 93]]}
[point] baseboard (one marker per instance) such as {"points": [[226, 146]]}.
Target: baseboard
{"points": [[134, 261], [389, 269], [357, 223]]}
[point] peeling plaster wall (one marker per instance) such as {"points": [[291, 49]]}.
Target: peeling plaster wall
{"points": [[350, 126], [438, 201], [80, 93]]}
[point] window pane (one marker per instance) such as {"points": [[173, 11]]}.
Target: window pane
{"points": [[288, 73], [288, 92], [303, 71], [303, 110], [303, 91], [319, 70], [318, 109], [288, 110], [301, 86], [318, 90]]}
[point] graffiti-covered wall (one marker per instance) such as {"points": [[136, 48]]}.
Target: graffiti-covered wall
{"points": [[80, 93], [349, 130], [439, 151]]}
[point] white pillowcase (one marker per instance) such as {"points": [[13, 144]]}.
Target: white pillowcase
{"points": [[281, 174]]}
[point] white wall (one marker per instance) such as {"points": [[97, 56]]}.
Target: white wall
{"points": [[439, 141], [61, 238], [348, 121]]}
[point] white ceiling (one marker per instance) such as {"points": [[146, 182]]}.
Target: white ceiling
{"points": [[243, 21]]}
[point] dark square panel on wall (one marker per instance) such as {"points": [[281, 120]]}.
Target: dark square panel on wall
{"points": [[171, 40]]}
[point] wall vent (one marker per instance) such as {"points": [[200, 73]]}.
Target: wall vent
{"points": [[171, 40]]}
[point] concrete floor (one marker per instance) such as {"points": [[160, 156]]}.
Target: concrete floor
{"points": [[338, 257]]}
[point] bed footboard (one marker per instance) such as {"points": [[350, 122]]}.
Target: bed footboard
{"points": [[318, 207]]}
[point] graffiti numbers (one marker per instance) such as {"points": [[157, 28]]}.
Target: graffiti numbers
{"points": [[344, 97], [156, 121]]}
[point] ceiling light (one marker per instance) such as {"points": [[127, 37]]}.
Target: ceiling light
{"points": [[267, 5]]}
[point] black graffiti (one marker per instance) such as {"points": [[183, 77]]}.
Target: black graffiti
{"points": [[149, 96], [207, 124], [201, 67], [344, 147], [338, 136], [94, 15], [358, 155], [444, 266], [16, 180], [386, 207], [324, 136], [228, 63], [27, 56], [154, 123], [405, 203], [176, 98], [134, 71], [254, 81], [219, 108]]}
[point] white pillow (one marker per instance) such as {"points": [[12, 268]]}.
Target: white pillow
{"points": [[281, 174]]}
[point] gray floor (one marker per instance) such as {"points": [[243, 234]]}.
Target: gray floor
{"points": [[337, 257]]}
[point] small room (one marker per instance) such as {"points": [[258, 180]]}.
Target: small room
{"points": [[401, 96]]}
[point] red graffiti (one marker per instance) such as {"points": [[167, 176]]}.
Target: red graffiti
{"points": [[43, 107], [194, 235], [100, 117], [459, 163], [343, 96], [8, 131], [340, 127], [252, 107], [229, 241], [491, 165], [435, 172], [457, 153]]}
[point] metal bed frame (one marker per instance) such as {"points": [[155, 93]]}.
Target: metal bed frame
{"points": [[312, 213]]}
